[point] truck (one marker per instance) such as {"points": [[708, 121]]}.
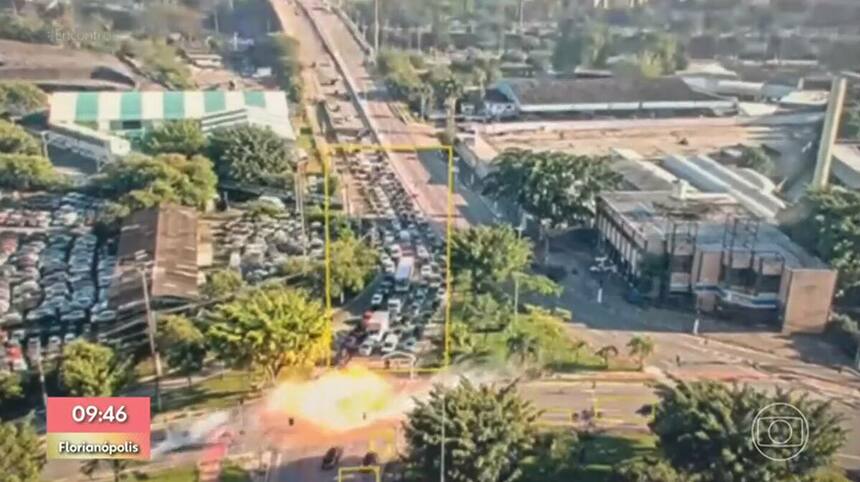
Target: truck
{"points": [[378, 322], [403, 275]]}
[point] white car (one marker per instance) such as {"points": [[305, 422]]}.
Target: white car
{"points": [[376, 300], [390, 343], [394, 304], [422, 252], [426, 271]]}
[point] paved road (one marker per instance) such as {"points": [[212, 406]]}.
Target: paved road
{"points": [[425, 176]]}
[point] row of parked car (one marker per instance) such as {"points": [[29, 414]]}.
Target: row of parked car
{"points": [[53, 280], [258, 246]]}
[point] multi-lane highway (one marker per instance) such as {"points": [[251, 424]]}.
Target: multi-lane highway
{"points": [[425, 177]]}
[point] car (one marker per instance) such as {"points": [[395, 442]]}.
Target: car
{"points": [[395, 305], [104, 316], [68, 338], [390, 343], [376, 300], [422, 252], [332, 458], [410, 345], [366, 347], [370, 459], [426, 271], [53, 344]]}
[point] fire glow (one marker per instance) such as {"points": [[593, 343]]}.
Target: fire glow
{"points": [[338, 401]]}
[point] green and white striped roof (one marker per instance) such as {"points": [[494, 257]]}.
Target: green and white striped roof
{"points": [[80, 107]]}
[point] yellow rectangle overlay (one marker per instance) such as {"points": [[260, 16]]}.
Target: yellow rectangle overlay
{"points": [[83, 446]]}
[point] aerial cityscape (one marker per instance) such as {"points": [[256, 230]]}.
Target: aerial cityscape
{"points": [[430, 240]]}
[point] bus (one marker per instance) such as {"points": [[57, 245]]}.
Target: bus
{"points": [[403, 275]]}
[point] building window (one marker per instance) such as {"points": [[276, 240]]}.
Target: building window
{"points": [[682, 264], [769, 284], [131, 125]]}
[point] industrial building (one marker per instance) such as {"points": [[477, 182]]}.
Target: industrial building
{"points": [[161, 244], [130, 114], [710, 250], [666, 96]]}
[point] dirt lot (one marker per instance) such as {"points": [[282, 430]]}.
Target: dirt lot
{"points": [[647, 141]]}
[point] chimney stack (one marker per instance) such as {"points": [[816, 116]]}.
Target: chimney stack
{"points": [[828, 134]]}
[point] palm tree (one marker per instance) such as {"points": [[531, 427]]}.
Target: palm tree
{"points": [[449, 90], [524, 346], [606, 353], [641, 347]]}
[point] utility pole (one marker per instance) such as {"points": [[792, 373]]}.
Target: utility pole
{"points": [[442, 444], [41, 370], [376, 27], [150, 323]]}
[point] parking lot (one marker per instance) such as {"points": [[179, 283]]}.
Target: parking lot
{"points": [[54, 274]]}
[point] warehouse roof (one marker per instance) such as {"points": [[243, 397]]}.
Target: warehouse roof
{"points": [[163, 242], [614, 90], [52, 66], [159, 105]]}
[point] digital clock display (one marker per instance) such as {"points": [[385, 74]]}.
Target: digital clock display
{"points": [[91, 413], [98, 427]]}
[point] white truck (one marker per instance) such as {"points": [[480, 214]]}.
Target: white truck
{"points": [[403, 275]]}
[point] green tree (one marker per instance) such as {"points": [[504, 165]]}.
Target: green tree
{"points": [[450, 90], [27, 172], [270, 329], [606, 353], [139, 182], [641, 347], [175, 137], [486, 256], [20, 98], [704, 429], [849, 127], [15, 140], [554, 459], [91, 370], [23, 454], [251, 155], [524, 346], [353, 264], [222, 282], [10, 386], [557, 188], [489, 431], [182, 343], [828, 224], [649, 469]]}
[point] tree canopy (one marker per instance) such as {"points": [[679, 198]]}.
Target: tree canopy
{"points": [[175, 137], [353, 264], [489, 432], [270, 329], [251, 155], [704, 429], [182, 343], [489, 255], [91, 370], [222, 282], [829, 226], [10, 386], [557, 188], [23, 455], [16, 140], [20, 98], [647, 469], [18, 171], [140, 182]]}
